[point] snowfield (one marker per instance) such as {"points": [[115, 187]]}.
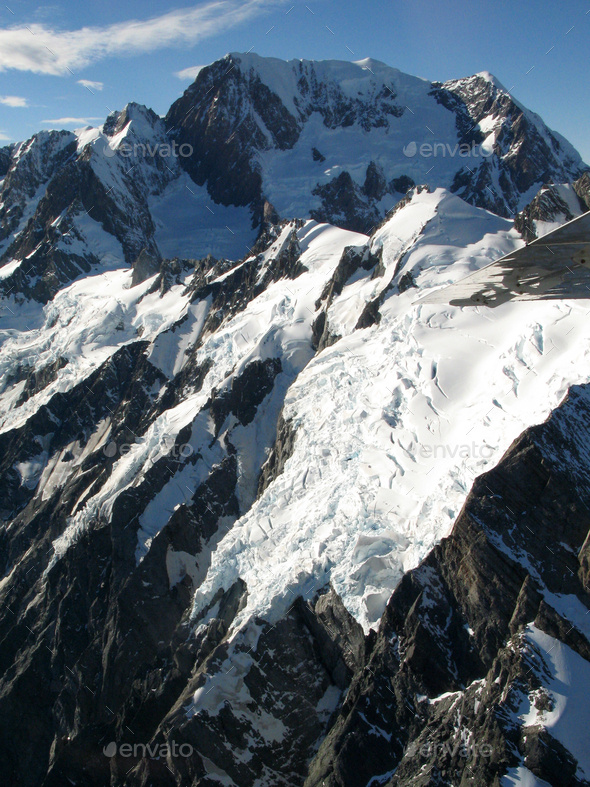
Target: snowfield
{"points": [[565, 676], [413, 119], [393, 422]]}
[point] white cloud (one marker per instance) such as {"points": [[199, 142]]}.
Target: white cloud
{"points": [[60, 122], [90, 84], [4, 136], [43, 50], [188, 73], [14, 101]]}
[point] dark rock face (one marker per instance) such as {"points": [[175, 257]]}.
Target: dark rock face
{"points": [[317, 156], [71, 417], [144, 267], [375, 186], [402, 184], [210, 118], [39, 159], [550, 205], [281, 451], [582, 189], [282, 691], [353, 258], [343, 204], [369, 316], [269, 214], [406, 281], [36, 379], [5, 157], [245, 393]]}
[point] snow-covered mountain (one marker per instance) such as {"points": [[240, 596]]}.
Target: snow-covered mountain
{"points": [[269, 506], [256, 138], [343, 141]]}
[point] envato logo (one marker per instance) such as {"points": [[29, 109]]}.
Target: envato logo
{"points": [[139, 150], [464, 451], [166, 446], [140, 750], [426, 150], [457, 749]]}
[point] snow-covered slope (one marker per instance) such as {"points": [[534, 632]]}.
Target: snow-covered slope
{"points": [[564, 679], [392, 422]]}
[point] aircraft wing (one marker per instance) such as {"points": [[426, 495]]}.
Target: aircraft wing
{"points": [[554, 266]]}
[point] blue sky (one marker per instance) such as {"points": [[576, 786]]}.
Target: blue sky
{"points": [[71, 62]]}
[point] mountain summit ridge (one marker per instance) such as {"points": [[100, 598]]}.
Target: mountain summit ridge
{"points": [[389, 102], [336, 141]]}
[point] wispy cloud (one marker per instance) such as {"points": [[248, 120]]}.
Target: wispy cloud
{"points": [[60, 122], [44, 50], [4, 136], [188, 73], [14, 101], [88, 83]]}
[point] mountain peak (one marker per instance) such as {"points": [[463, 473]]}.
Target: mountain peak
{"points": [[344, 135], [491, 79]]}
